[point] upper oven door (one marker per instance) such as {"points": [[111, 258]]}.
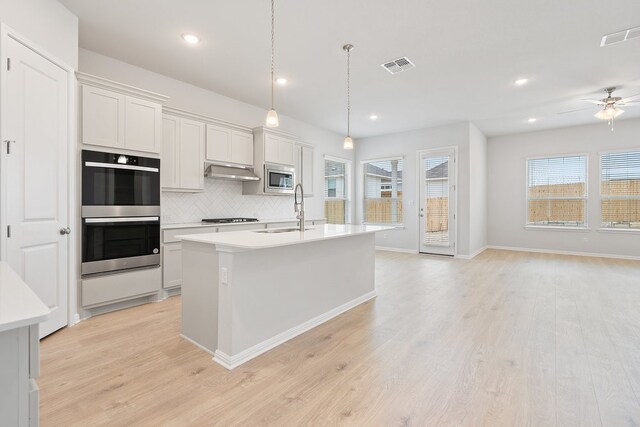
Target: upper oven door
{"points": [[110, 179], [279, 180]]}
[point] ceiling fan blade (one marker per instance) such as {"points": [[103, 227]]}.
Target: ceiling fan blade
{"points": [[575, 111], [593, 101], [627, 104], [630, 98]]}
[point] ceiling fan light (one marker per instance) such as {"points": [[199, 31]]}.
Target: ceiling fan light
{"points": [[608, 113], [348, 143], [272, 119]]}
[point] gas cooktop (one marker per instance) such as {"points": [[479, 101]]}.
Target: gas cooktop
{"points": [[229, 220]]}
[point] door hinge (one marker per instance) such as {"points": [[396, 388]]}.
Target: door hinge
{"points": [[8, 64], [8, 231]]}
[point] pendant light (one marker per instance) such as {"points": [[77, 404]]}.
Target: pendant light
{"points": [[272, 117], [348, 142]]}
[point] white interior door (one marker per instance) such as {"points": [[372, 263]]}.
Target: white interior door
{"points": [[437, 202], [36, 131]]}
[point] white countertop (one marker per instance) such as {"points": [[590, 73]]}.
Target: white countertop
{"points": [[19, 305], [253, 239], [208, 224]]}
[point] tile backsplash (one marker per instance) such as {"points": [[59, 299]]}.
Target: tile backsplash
{"points": [[222, 199]]}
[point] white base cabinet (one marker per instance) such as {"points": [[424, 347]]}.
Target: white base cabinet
{"points": [[19, 367]]}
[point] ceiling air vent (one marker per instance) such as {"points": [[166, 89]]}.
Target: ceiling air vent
{"points": [[398, 65], [620, 36]]}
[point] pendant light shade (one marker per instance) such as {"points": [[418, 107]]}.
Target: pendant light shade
{"points": [[348, 142], [272, 120], [608, 113]]}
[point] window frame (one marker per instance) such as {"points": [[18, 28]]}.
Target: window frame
{"points": [[600, 196], [364, 189], [348, 176], [533, 226]]}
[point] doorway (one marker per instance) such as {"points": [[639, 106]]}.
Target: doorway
{"points": [[437, 202]]}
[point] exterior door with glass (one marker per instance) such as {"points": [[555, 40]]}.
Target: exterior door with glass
{"points": [[437, 201]]}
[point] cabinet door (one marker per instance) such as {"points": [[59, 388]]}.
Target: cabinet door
{"points": [[169, 170], [172, 265], [242, 148], [191, 154], [306, 164], [143, 125], [102, 117], [286, 152], [271, 149], [218, 144]]}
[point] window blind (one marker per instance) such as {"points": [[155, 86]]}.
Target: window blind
{"points": [[436, 204], [620, 190], [383, 191], [557, 191], [335, 191]]}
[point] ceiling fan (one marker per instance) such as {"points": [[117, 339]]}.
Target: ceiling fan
{"points": [[610, 106]]}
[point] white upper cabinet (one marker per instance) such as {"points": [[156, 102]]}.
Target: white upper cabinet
{"points": [[143, 125], [305, 170], [120, 116], [279, 150], [102, 117], [182, 167], [225, 145]]}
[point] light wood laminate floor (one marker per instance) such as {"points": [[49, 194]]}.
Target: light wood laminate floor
{"points": [[508, 338]]}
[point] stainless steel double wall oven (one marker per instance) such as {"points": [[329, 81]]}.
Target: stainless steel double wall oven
{"points": [[120, 212]]}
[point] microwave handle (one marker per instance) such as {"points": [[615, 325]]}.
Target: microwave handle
{"points": [[121, 219], [117, 166]]}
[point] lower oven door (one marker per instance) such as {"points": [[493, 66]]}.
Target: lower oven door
{"points": [[119, 243]]}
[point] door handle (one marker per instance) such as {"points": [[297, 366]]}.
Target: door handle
{"points": [[65, 230]]}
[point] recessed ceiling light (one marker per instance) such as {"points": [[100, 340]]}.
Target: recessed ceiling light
{"points": [[522, 81], [373, 117], [532, 120], [281, 81], [191, 38]]}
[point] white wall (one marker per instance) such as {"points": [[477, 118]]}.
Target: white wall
{"points": [[46, 23], [477, 190], [507, 180], [192, 98], [407, 144]]}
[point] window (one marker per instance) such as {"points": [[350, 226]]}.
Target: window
{"points": [[557, 191], [336, 190], [383, 191], [620, 190]]}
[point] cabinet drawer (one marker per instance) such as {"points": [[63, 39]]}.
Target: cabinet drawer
{"points": [[283, 224], [120, 287], [169, 236], [239, 227]]}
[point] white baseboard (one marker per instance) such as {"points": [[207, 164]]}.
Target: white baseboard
{"points": [[401, 250], [231, 362], [197, 345], [473, 255], [551, 251]]}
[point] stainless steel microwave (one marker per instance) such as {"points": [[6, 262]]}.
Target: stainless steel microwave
{"points": [[279, 179]]}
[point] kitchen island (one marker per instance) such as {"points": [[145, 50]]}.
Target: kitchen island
{"points": [[245, 292]]}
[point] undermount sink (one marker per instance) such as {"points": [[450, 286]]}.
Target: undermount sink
{"points": [[280, 230]]}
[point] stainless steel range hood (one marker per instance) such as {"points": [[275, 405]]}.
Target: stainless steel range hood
{"points": [[230, 173]]}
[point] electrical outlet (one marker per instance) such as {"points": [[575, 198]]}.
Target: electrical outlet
{"points": [[166, 218], [224, 276]]}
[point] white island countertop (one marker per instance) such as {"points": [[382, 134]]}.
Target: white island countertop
{"points": [[258, 239], [19, 305]]}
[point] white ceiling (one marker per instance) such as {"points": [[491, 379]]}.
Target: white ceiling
{"points": [[467, 55]]}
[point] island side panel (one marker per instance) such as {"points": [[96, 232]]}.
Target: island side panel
{"points": [[200, 294], [273, 290]]}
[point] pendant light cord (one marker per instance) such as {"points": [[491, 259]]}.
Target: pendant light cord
{"points": [[348, 92], [273, 49]]}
